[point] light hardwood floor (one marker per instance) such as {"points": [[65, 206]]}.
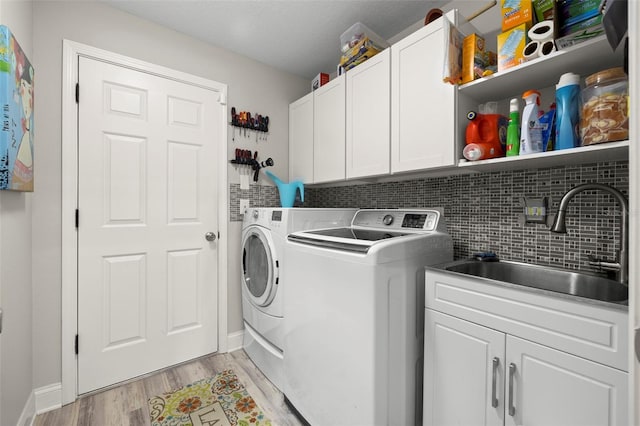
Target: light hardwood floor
{"points": [[127, 404]]}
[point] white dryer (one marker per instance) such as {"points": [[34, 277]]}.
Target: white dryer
{"points": [[264, 233]]}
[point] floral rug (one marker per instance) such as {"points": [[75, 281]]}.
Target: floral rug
{"points": [[219, 401]]}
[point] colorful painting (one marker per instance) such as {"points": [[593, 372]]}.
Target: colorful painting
{"points": [[16, 101]]}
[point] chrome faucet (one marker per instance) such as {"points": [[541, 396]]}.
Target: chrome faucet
{"points": [[559, 226]]}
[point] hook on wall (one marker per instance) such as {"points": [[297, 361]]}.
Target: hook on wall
{"points": [[244, 157]]}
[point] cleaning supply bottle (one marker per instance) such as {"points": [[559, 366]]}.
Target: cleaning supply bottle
{"points": [[530, 130], [567, 111], [513, 130], [479, 151]]}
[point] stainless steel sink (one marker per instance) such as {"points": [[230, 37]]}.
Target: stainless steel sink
{"points": [[546, 278]]}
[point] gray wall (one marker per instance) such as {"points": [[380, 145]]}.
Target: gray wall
{"points": [[16, 378], [91, 23]]}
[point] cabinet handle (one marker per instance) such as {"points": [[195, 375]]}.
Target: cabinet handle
{"points": [[494, 397], [512, 373]]}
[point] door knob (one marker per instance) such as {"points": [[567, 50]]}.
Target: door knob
{"points": [[210, 236]]}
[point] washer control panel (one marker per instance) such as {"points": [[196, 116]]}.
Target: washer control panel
{"points": [[417, 219]]}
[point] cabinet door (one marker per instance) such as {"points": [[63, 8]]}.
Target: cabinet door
{"points": [[556, 388], [463, 385], [301, 139], [329, 131], [423, 107], [368, 117]]}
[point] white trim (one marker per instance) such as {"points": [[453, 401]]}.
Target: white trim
{"points": [[71, 51], [234, 341], [28, 414], [48, 398], [634, 208]]}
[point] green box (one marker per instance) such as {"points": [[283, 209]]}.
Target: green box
{"points": [[543, 9]]}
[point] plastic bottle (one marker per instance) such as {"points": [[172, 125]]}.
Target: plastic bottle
{"points": [[568, 111], [513, 130], [530, 130], [479, 151]]}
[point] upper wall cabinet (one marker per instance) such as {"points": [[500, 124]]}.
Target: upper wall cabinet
{"points": [[301, 139], [329, 131], [423, 116], [368, 117]]}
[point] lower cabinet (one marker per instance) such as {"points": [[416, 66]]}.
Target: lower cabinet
{"points": [[475, 375]]}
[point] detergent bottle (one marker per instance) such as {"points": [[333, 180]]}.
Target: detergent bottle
{"points": [[530, 129], [567, 111], [485, 136], [513, 130]]}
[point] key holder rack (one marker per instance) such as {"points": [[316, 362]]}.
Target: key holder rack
{"points": [[244, 121], [243, 157]]}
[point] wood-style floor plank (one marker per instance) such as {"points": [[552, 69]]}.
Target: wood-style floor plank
{"points": [[127, 404]]}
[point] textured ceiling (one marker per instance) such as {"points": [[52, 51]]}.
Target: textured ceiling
{"points": [[302, 37], [299, 36]]}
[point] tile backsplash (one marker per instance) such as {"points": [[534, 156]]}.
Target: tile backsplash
{"points": [[484, 210], [258, 195]]}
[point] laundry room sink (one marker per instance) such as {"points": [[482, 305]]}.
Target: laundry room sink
{"points": [[545, 278]]}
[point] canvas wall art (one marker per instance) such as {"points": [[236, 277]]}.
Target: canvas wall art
{"points": [[16, 101]]}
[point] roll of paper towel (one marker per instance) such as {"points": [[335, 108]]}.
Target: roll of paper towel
{"points": [[541, 31]]}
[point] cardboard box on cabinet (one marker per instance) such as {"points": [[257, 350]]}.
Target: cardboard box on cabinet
{"points": [[319, 80], [511, 46], [515, 13], [473, 57]]}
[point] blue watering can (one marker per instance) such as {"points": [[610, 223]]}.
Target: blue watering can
{"points": [[287, 191]]}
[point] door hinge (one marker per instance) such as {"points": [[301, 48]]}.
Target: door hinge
{"points": [[76, 345], [77, 218], [77, 93]]}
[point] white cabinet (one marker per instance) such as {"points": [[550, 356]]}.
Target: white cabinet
{"points": [[460, 381], [499, 355], [479, 376], [301, 139], [329, 131], [423, 108], [550, 387], [368, 117]]}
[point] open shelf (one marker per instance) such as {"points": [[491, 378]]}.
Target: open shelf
{"points": [[546, 71], [611, 151]]}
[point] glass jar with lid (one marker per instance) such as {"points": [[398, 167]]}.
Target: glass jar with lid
{"points": [[605, 107]]}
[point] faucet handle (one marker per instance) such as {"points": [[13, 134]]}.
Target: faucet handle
{"points": [[593, 259], [603, 264]]}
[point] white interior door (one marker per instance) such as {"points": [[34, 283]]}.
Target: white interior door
{"points": [[147, 191]]}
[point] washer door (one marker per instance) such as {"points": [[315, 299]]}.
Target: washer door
{"points": [[259, 268]]}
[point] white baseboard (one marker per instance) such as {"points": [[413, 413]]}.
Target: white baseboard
{"points": [[234, 340], [48, 398], [40, 401], [28, 412]]}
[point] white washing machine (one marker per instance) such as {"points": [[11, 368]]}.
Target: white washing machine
{"points": [[355, 320], [264, 232]]}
